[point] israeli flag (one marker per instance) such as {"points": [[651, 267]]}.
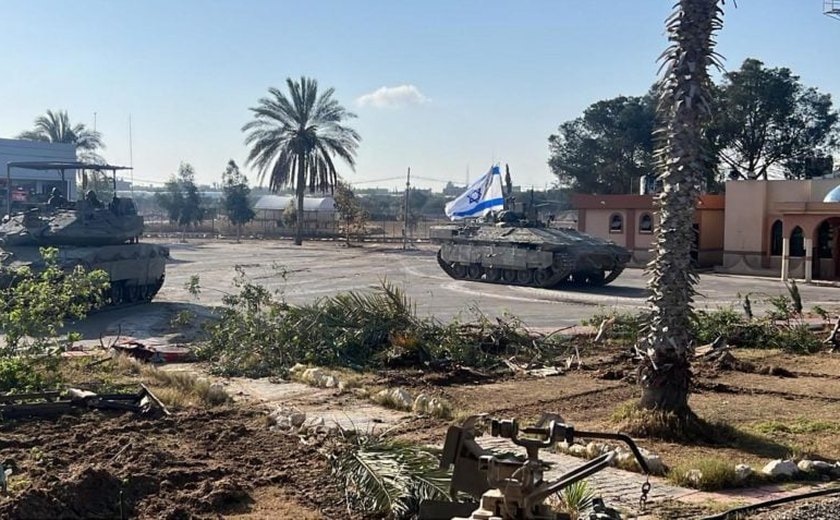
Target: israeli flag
{"points": [[482, 196]]}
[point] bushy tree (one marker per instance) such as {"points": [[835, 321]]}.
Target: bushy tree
{"points": [[295, 137], [767, 119], [181, 199], [349, 209], [607, 149], [235, 197]]}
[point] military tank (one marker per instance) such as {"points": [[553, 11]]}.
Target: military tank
{"points": [[513, 247], [87, 233]]}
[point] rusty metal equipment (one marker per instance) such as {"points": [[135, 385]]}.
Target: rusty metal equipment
{"points": [[48, 404], [504, 488]]}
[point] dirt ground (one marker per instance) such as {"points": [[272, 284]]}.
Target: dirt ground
{"points": [[778, 416], [197, 464]]}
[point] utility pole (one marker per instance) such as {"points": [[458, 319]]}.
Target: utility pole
{"points": [[405, 209]]}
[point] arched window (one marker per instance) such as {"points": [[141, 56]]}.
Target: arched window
{"points": [[825, 240], [616, 223], [776, 238], [646, 223], [797, 242]]}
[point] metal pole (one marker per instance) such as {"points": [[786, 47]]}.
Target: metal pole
{"points": [[9, 190], [405, 210]]}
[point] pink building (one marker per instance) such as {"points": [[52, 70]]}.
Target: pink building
{"points": [[782, 228], [770, 228], [630, 221]]}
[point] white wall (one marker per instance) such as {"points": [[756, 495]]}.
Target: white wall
{"points": [[16, 150]]}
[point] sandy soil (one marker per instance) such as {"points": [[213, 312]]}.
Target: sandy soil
{"points": [[191, 465]]}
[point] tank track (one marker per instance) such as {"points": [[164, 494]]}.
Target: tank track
{"points": [[559, 272], [122, 295]]}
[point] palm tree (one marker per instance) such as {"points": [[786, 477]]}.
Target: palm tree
{"points": [[55, 127], [685, 92], [293, 140]]}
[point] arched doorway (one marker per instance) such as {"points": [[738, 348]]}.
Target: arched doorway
{"points": [[827, 249]]}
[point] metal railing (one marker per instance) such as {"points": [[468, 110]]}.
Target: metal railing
{"points": [[832, 8]]}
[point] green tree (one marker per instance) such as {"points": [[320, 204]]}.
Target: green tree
{"points": [[349, 209], [607, 149], [682, 156], [294, 138], [171, 199], [181, 200], [235, 198], [767, 119], [55, 127]]}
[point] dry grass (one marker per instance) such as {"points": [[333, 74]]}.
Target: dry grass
{"points": [[715, 474], [174, 388]]}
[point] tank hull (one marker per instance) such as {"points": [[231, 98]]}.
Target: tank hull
{"points": [[135, 271], [528, 256]]}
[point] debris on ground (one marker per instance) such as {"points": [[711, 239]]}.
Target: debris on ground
{"points": [[48, 404], [152, 353]]}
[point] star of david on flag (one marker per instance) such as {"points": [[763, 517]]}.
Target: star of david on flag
{"points": [[481, 197]]}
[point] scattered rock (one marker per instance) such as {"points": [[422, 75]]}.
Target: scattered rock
{"points": [[743, 472], [654, 462], [437, 408], [624, 458], [396, 397], [694, 477], [330, 382], [806, 466], [421, 404], [780, 468], [578, 450], [594, 449]]}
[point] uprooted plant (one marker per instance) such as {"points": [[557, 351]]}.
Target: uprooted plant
{"points": [[257, 334], [386, 476]]}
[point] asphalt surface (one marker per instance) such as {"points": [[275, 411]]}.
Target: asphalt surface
{"points": [[318, 269]]}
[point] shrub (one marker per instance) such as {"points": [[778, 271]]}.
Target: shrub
{"points": [[257, 335]]}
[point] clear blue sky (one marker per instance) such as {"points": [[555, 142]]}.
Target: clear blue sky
{"points": [[491, 79]]}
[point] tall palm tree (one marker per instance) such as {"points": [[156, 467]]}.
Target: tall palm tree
{"points": [[293, 140], [685, 92], [55, 127]]}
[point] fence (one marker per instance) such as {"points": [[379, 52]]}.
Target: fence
{"points": [[313, 228]]}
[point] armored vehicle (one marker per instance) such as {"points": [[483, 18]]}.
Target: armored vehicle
{"points": [[514, 247], [522, 253], [86, 232]]}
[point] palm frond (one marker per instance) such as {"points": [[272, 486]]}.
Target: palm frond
{"points": [[387, 476]]}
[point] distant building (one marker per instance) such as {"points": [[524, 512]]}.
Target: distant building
{"points": [[31, 185], [319, 215]]}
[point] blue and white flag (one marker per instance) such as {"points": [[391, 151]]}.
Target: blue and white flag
{"points": [[482, 196]]}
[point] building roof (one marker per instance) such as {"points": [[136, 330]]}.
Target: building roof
{"points": [[64, 165], [281, 202]]}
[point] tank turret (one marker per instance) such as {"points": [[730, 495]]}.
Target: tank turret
{"points": [[86, 232], [513, 247]]}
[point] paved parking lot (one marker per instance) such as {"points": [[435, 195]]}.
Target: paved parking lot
{"points": [[321, 268]]}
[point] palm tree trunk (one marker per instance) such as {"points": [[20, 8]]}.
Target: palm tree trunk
{"points": [[238, 232], [300, 187], [665, 374]]}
